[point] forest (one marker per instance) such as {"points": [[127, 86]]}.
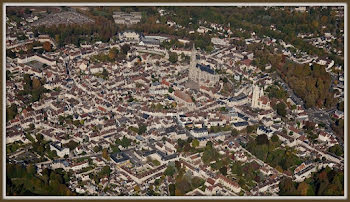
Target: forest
{"points": [[312, 84], [23, 181], [326, 182], [269, 151]]}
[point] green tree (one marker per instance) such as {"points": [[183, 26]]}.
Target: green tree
{"points": [[234, 132], [173, 57], [125, 49], [281, 109], [170, 171], [274, 138], [142, 129], [337, 150], [195, 143], [125, 142], [11, 112], [104, 74], [172, 189], [287, 187], [262, 139], [223, 170]]}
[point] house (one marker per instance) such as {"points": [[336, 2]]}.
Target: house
{"points": [[199, 132], [184, 99], [265, 170], [324, 136], [304, 171], [234, 186], [129, 36], [264, 130], [240, 156], [120, 158], [240, 125], [126, 18], [75, 166], [338, 114], [57, 146]]}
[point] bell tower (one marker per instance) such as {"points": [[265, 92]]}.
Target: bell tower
{"points": [[192, 67], [193, 56]]}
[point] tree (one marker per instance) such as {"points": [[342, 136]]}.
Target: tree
{"points": [[170, 90], [31, 170], [303, 189], [262, 139], [104, 74], [137, 188], [36, 83], [97, 149], [337, 150], [195, 143], [234, 132], [106, 170], [39, 137], [172, 189], [125, 142], [105, 154], [125, 48], [281, 109], [209, 145], [223, 170], [287, 187], [47, 46], [274, 138], [11, 112], [251, 129], [173, 57], [169, 171], [142, 129], [237, 169], [113, 52]]}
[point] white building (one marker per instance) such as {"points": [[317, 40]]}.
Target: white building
{"points": [[129, 36], [259, 100], [57, 146]]}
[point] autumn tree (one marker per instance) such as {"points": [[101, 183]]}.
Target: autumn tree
{"points": [[303, 189], [36, 83], [287, 187], [47, 46]]}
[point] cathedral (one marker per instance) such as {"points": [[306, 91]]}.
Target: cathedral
{"points": [[258, 99], [201, 74]]}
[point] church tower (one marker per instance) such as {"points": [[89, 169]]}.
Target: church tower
{"points": [[192, 69], [193, 57]]}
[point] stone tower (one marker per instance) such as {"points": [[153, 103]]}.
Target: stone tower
{"points": [[193, 57], [192, 69]]}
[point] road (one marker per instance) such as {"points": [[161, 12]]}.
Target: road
{"points": [[71, 158]]}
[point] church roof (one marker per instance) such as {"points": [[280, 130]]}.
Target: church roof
{"points": [[205, 68]]}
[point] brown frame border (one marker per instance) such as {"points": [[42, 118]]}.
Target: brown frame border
{"points": [[157, 1]]}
